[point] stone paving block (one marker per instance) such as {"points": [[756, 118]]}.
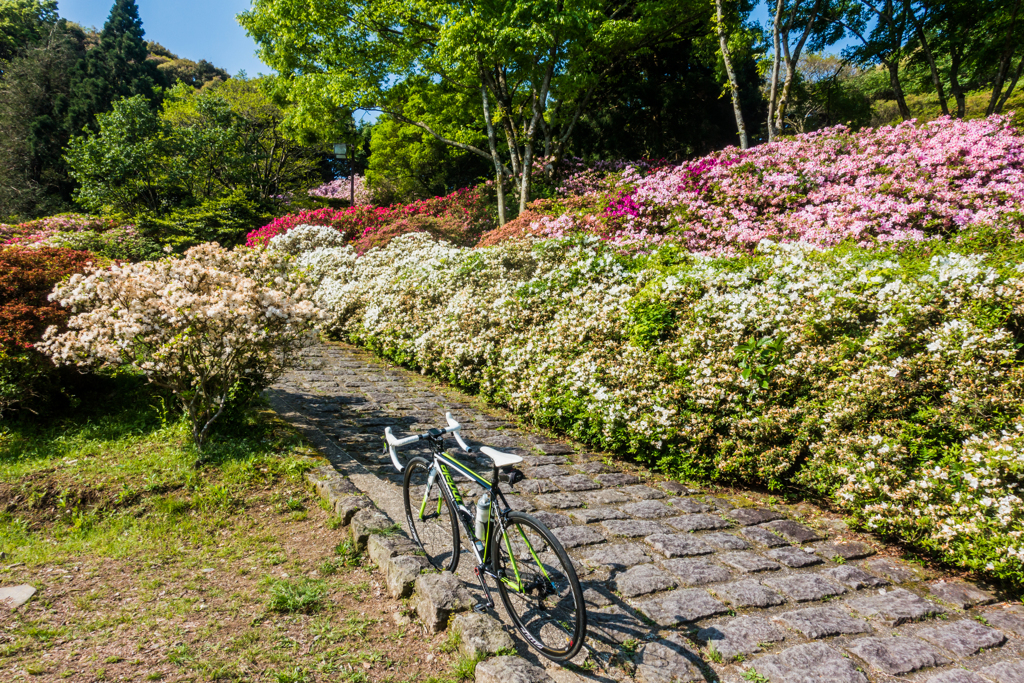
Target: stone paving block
{"points": [[617, 556], [697, 522], [559, 501], [898, 655], [437, 597], [643, 579], [588, 515], [740, 636], [1007, 617], [634, 527], [592, 467], [548, 471], [604, 497], [809, 663], [894, 607], [804, 587], [576, 536], [538, 460], [697, 572], [793, 532], [13, 597], [520, 503], [690, 505], [649, 509], [963, 638], [480, 635], [575, 482], [793, 557], [615, 624], [595, 595], [551, 520], [381, 548], [553, 448], [748, 593], [679, 545], [823, 622], [895, 571], [855, 577], [957, 676], [641, 492], [510, 670], [748, 562], [1010, 671], [675, 488], [852, 550], [536, 486], [680, 605], [365, 522], [726, 541], [665, 661], [750, 516], [400, 574], [617, 479], [963, 595]]}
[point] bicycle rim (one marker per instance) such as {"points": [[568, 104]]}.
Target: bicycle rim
{"points": [[540, 590], [433, 524]]}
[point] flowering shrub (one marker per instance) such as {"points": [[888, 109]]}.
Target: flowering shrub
{"points": [[867, 376], [213, 326], [104, 236], [342, 189], [26, 278], [904, 182], [465, 206]]}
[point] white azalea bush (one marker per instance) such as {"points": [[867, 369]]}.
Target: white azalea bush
{"points": [[887, 381], [212, 326]]}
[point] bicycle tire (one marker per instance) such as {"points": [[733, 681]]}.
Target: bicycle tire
{"points": [[556, 635], [437, 533]]}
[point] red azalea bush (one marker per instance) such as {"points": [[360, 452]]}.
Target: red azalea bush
{"points": [[463, 213], [27, 276]]}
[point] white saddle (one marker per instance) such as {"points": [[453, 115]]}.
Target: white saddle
{"points": [[500, 459]]}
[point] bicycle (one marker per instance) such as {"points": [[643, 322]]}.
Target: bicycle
{"points": [[534, 576]]}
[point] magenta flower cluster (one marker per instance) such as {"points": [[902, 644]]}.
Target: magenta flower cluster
{"points": [[342, 189], [904, 182]]}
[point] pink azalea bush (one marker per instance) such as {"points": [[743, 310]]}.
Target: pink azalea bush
{"points": [[890, 184], [342, 189]]}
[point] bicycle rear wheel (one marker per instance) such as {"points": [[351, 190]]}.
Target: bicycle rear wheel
{"points": [[539, 587], [433, 522]]}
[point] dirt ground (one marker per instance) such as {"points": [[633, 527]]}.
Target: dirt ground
{"points": [[208, 613]]}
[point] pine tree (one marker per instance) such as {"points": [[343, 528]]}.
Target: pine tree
{"points": [[115, 68]]}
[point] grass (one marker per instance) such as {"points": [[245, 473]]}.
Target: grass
{"points": [[151, 569]]}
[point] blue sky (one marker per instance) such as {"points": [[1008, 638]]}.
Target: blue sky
{"points": [[195, 29]]}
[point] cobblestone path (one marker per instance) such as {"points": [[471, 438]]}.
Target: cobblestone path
{"points": [[682, 585]]}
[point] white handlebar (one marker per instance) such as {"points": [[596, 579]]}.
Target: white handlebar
{"points": [[453, 428]]}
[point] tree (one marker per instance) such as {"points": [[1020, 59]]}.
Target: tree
{"points": [[24, 23], [531, 67], [34, 92], [722, 29], [117, 67]]}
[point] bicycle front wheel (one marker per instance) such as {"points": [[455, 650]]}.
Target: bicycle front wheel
{"points": [[433, 523], [539, 587]]}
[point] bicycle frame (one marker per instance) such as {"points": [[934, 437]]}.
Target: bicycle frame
{"points": [[443, 463]]}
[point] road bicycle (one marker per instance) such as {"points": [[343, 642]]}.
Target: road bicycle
{"points": [[533, 573]]}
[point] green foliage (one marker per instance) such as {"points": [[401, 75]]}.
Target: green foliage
{"points": [[114, 69], [302, 595], [24, 23], [224, 220]]}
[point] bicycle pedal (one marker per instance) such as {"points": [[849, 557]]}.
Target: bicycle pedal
{"points": [[480, 608]]}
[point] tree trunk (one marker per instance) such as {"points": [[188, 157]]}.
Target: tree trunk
{"points": [[956, 58], [540, 102], [1005, 60], [733, 85], [493, 143], [1009, 90], [926, 48], [897, 88], [773, 97], [792, 60]]}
